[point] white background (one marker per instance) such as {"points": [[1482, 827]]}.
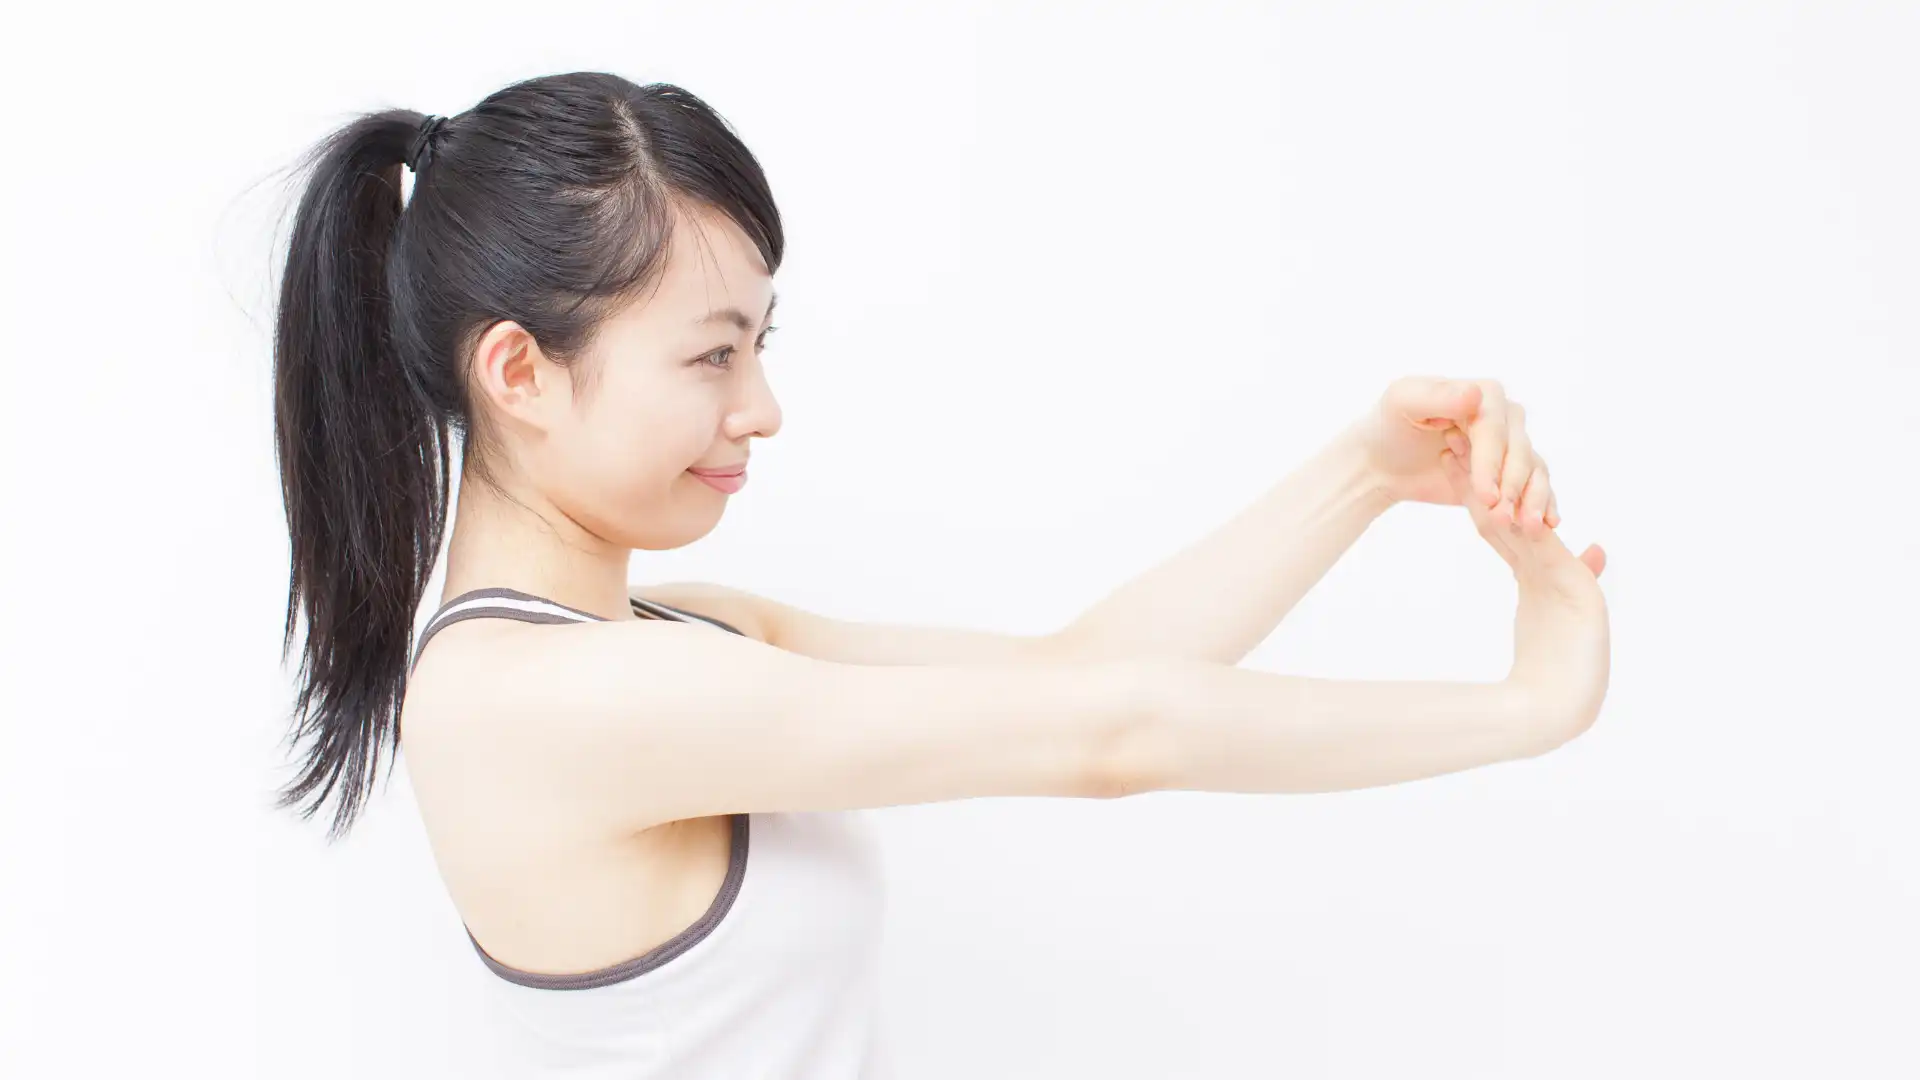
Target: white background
{"points": [[1067, 285]]}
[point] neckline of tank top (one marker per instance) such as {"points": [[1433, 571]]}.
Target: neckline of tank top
{"points": [[652, 608]]}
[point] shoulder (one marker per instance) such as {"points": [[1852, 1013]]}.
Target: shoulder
{"points": [[469, 657], [746, 612], [807, 633]]}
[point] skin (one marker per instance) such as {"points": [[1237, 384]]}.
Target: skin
{"points": [[592, 474], [588, 477], [1456, 442], [592, 477]]}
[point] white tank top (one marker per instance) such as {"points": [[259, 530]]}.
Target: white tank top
{"points": [[777, 979]]}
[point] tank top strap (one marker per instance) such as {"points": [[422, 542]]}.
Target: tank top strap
{"points": [[500, 602], [656, 609]]}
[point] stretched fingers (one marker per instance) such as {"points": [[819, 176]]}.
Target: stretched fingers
{"points": [[1514, 545], [1487, 436], [1517, 465], [1495, 533], [1536, 501]]}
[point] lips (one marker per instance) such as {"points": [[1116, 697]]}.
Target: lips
{"points": [[725, 484], [735, 470]]}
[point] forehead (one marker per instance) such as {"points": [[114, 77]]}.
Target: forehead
{"points": [[710, 263]]}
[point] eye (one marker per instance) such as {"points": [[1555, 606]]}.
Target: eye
{"points": [[722, 358]]}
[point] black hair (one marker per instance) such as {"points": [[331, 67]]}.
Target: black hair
{"points": [[549, 203]]}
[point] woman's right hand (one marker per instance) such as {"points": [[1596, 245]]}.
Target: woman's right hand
{"points": [[1561, 646]]}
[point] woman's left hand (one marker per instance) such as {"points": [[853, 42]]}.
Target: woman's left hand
{"points": [[1420, 416]]}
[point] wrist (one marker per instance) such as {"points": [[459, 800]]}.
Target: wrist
{"points": [[1352, 450]]}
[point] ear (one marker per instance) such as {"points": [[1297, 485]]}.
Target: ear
{"points": [[516, 378]]}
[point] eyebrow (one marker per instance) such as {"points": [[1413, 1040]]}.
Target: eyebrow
{"points": [[737, 317]]}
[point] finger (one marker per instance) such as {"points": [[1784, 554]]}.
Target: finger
{"points": [[1459, 476], [1455, 472], [1457, 442], [1553, 511], [1533, 501], [1595, 558], [1516, 467], [1487, 432], [1495, 534], [1532, 541]]}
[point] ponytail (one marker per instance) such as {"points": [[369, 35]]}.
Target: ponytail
{"points": [[363, 465]]}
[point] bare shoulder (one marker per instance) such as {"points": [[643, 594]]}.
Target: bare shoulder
{"points": [[452, 679], [813, 634], [593, 729], [738, 608], [461, 677]]}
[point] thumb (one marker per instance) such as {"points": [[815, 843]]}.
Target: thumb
{"points": [[1595, 558], [1431, 402]]}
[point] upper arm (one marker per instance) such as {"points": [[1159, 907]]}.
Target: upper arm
{"points": [[849, 641], [637, 722]]}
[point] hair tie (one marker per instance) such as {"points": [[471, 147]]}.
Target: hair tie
{"points": [[420, 150]]}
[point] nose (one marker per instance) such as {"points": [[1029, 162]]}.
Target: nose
{"points": [[759, 412]]}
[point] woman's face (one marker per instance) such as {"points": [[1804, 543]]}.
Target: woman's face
{"points": [[676, 385]]}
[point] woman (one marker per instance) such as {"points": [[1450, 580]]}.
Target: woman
{"points": [[647, 805]]}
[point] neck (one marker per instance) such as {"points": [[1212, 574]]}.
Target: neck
{"points": [[522, 541]]}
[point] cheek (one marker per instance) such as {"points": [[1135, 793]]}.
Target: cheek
{"points": [[641, 442]]}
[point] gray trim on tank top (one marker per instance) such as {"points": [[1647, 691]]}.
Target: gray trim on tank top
{"points": [[648, 608], [739, 838], [654, 957]]}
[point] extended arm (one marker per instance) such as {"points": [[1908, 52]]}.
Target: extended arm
{"points": [[1218, 598]]}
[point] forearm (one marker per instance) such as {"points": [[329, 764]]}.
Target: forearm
{"points": [[1221, 596], [1215, 728]]}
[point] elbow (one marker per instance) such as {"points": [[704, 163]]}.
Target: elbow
{"points": [[1115, 784], [1130, 756]]}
